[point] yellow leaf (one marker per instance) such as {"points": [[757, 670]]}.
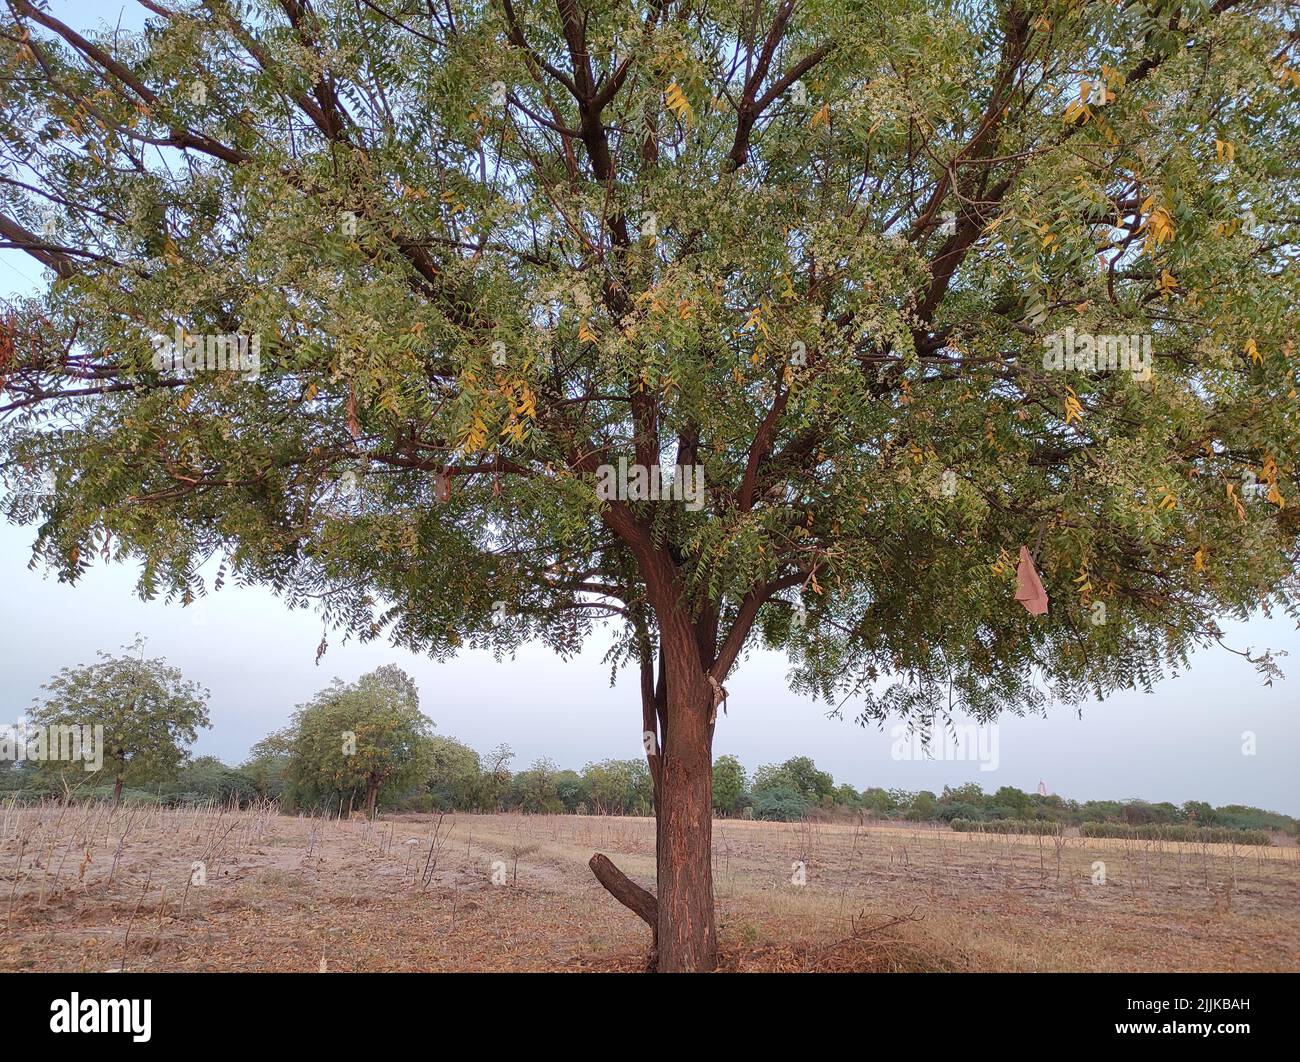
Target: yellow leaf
{"points": [[586, 334], [679, 104], [1198, 560], [1255, 356], [755, 320], [1232, 495], [1074, 110], [1224, 150], [1159, 227], [1073, 408], [1167, 282]]}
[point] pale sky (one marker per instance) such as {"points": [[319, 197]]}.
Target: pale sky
{"points": [[1180, 743]]}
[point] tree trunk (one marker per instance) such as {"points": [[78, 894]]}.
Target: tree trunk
{"points": [[681, 704], [372, 794], [117, 792], [688, 940]]}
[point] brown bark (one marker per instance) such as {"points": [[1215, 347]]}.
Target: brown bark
{"points": [[626, 891], [117, 792], [687, 940], [681, 702], [372, 794]]}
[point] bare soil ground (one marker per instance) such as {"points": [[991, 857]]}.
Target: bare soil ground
{"points": [[84, 888]]}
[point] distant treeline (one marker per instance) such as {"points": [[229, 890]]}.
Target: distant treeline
{"points": [[451, 776]]}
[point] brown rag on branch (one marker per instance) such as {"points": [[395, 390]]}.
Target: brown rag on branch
{"points": [[1029, 588], [719, 698]]}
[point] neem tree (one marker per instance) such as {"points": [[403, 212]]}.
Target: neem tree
{"points": [[814, 248], [149, 713], [354, 739]]}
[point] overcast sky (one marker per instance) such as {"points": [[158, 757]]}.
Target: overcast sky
{"points": [[1182, 742]]}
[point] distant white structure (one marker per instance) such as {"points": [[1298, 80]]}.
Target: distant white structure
{"points": [[1042, 788]]}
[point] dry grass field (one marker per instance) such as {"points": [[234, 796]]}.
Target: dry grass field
{"points": [[83, 888]]}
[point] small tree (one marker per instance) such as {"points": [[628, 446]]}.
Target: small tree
{"points": [[572, 790], [729, 783], [495, 783], [355, 739], [1008, 796], [618, 787], [149, 712], [924, 807], [813, 784], [799, 774], [455, 774], [267, 766], [207, 778], [538, 788], [847, 796]]}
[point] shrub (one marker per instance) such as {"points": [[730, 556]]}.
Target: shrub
{"points": [[85, 795], [779, 805], [207, 779], [948, 812], [1162, 832], [1035, 827], [418, 800]]}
